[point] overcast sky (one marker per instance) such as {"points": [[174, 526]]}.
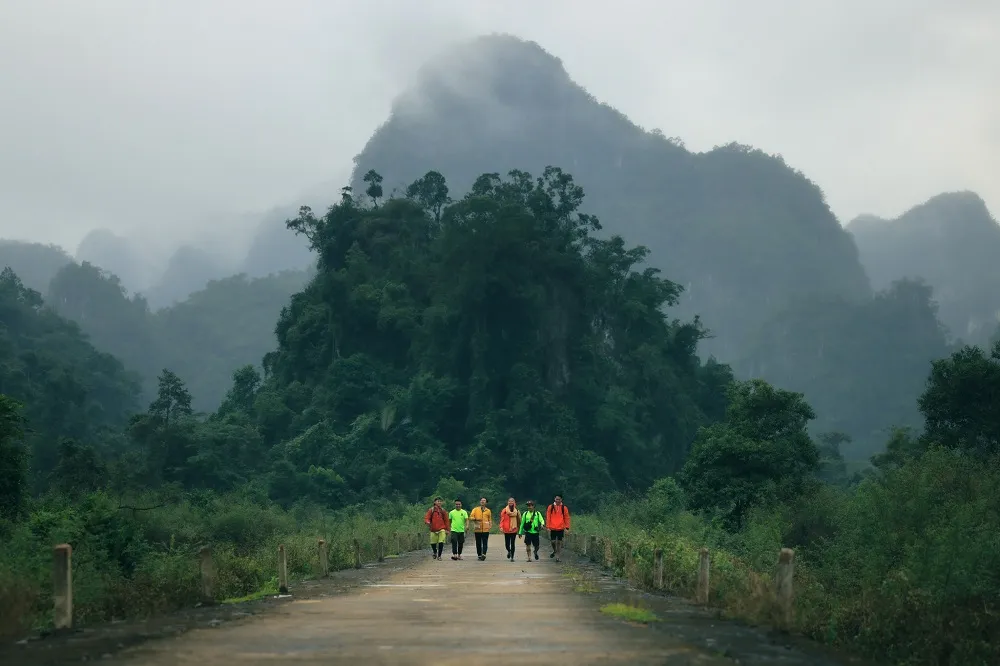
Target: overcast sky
{"points": [[161, 115]]}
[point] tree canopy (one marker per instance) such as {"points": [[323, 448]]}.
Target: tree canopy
{"points": [[492, 338]]}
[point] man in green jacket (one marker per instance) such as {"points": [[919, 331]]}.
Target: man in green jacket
{"points": [[458, 517], [531, 522]]}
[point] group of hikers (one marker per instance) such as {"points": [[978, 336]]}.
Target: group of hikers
{"points": [[514, 524]]}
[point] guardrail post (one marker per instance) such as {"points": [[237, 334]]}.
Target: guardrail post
{"points": [[357, 554], [207, 576], [324, 559], [282, 571], [380, 548], [62, 582], [783, 585], [609, 555], [703, 571], [592, 546]]}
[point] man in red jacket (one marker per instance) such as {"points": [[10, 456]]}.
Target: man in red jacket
{"points": [[557, 522], [439, 526]]}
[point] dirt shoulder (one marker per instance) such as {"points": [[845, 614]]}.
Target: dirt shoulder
{"points": [[105, 640]]}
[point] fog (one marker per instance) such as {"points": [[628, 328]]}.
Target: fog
{"points": [[180, 119]]}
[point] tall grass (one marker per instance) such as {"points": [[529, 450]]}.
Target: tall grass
{"points": [[905, 568], [137, 563]]}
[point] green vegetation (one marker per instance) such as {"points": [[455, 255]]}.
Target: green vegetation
{"points": [[764, 262], [491, 345], [900, 563], [140, 558], [630, 613]]}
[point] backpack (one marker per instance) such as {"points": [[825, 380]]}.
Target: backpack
{"points": [[563, 509]]}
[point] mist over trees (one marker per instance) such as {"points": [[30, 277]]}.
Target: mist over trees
{"points": [[952, 242]]}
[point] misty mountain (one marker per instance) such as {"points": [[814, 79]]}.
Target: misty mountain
{"points": [[34, 263], [953, 243], [126, 257], [743, 232], [203, 338], [188, 270], [274, 248]]}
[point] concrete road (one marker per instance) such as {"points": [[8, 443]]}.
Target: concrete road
{"points": [[438, 612]]}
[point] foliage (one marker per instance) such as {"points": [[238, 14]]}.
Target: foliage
{"points": [[902, 564], [130, 563], [67, 388], [492, 339], [13, 471], [760, 453], [960, 403]]}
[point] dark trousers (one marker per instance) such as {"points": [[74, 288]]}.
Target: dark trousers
{"points": [[510, 540], [482, 541], [531, 540], [457, 541]]}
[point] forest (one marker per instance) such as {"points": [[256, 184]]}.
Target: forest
{"points": [[498, 343]]}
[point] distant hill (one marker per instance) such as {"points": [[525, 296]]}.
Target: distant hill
{"points": [[202, 338], [35, 264], [120, 255], [953, 243], [274, 248], [745, 233], [188, 270]]}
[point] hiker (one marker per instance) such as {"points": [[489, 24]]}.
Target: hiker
{"points": [[482, 522], [557, 519], [458, 518], [438, 524], [531, 522], [510, 522]]}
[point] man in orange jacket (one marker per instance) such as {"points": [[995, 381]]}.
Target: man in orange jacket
{"points": [[439, 524], [557, 522]]}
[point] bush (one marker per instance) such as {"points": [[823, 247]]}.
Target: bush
{"points": [[904, 567], [135, 563]]}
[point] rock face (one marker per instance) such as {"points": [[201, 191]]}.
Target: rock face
{"points": [[953, 243], [742, 231]]}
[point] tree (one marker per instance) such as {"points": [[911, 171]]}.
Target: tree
{"points": [[166, 431], [961, 405], [459, 338], [760, 453], [13, 475], [832, 468], [79, 468], [240, 398], [172, 399], [374, 189]]}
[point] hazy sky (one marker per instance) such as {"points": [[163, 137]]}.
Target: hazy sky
{"points": [[163, 115]]}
